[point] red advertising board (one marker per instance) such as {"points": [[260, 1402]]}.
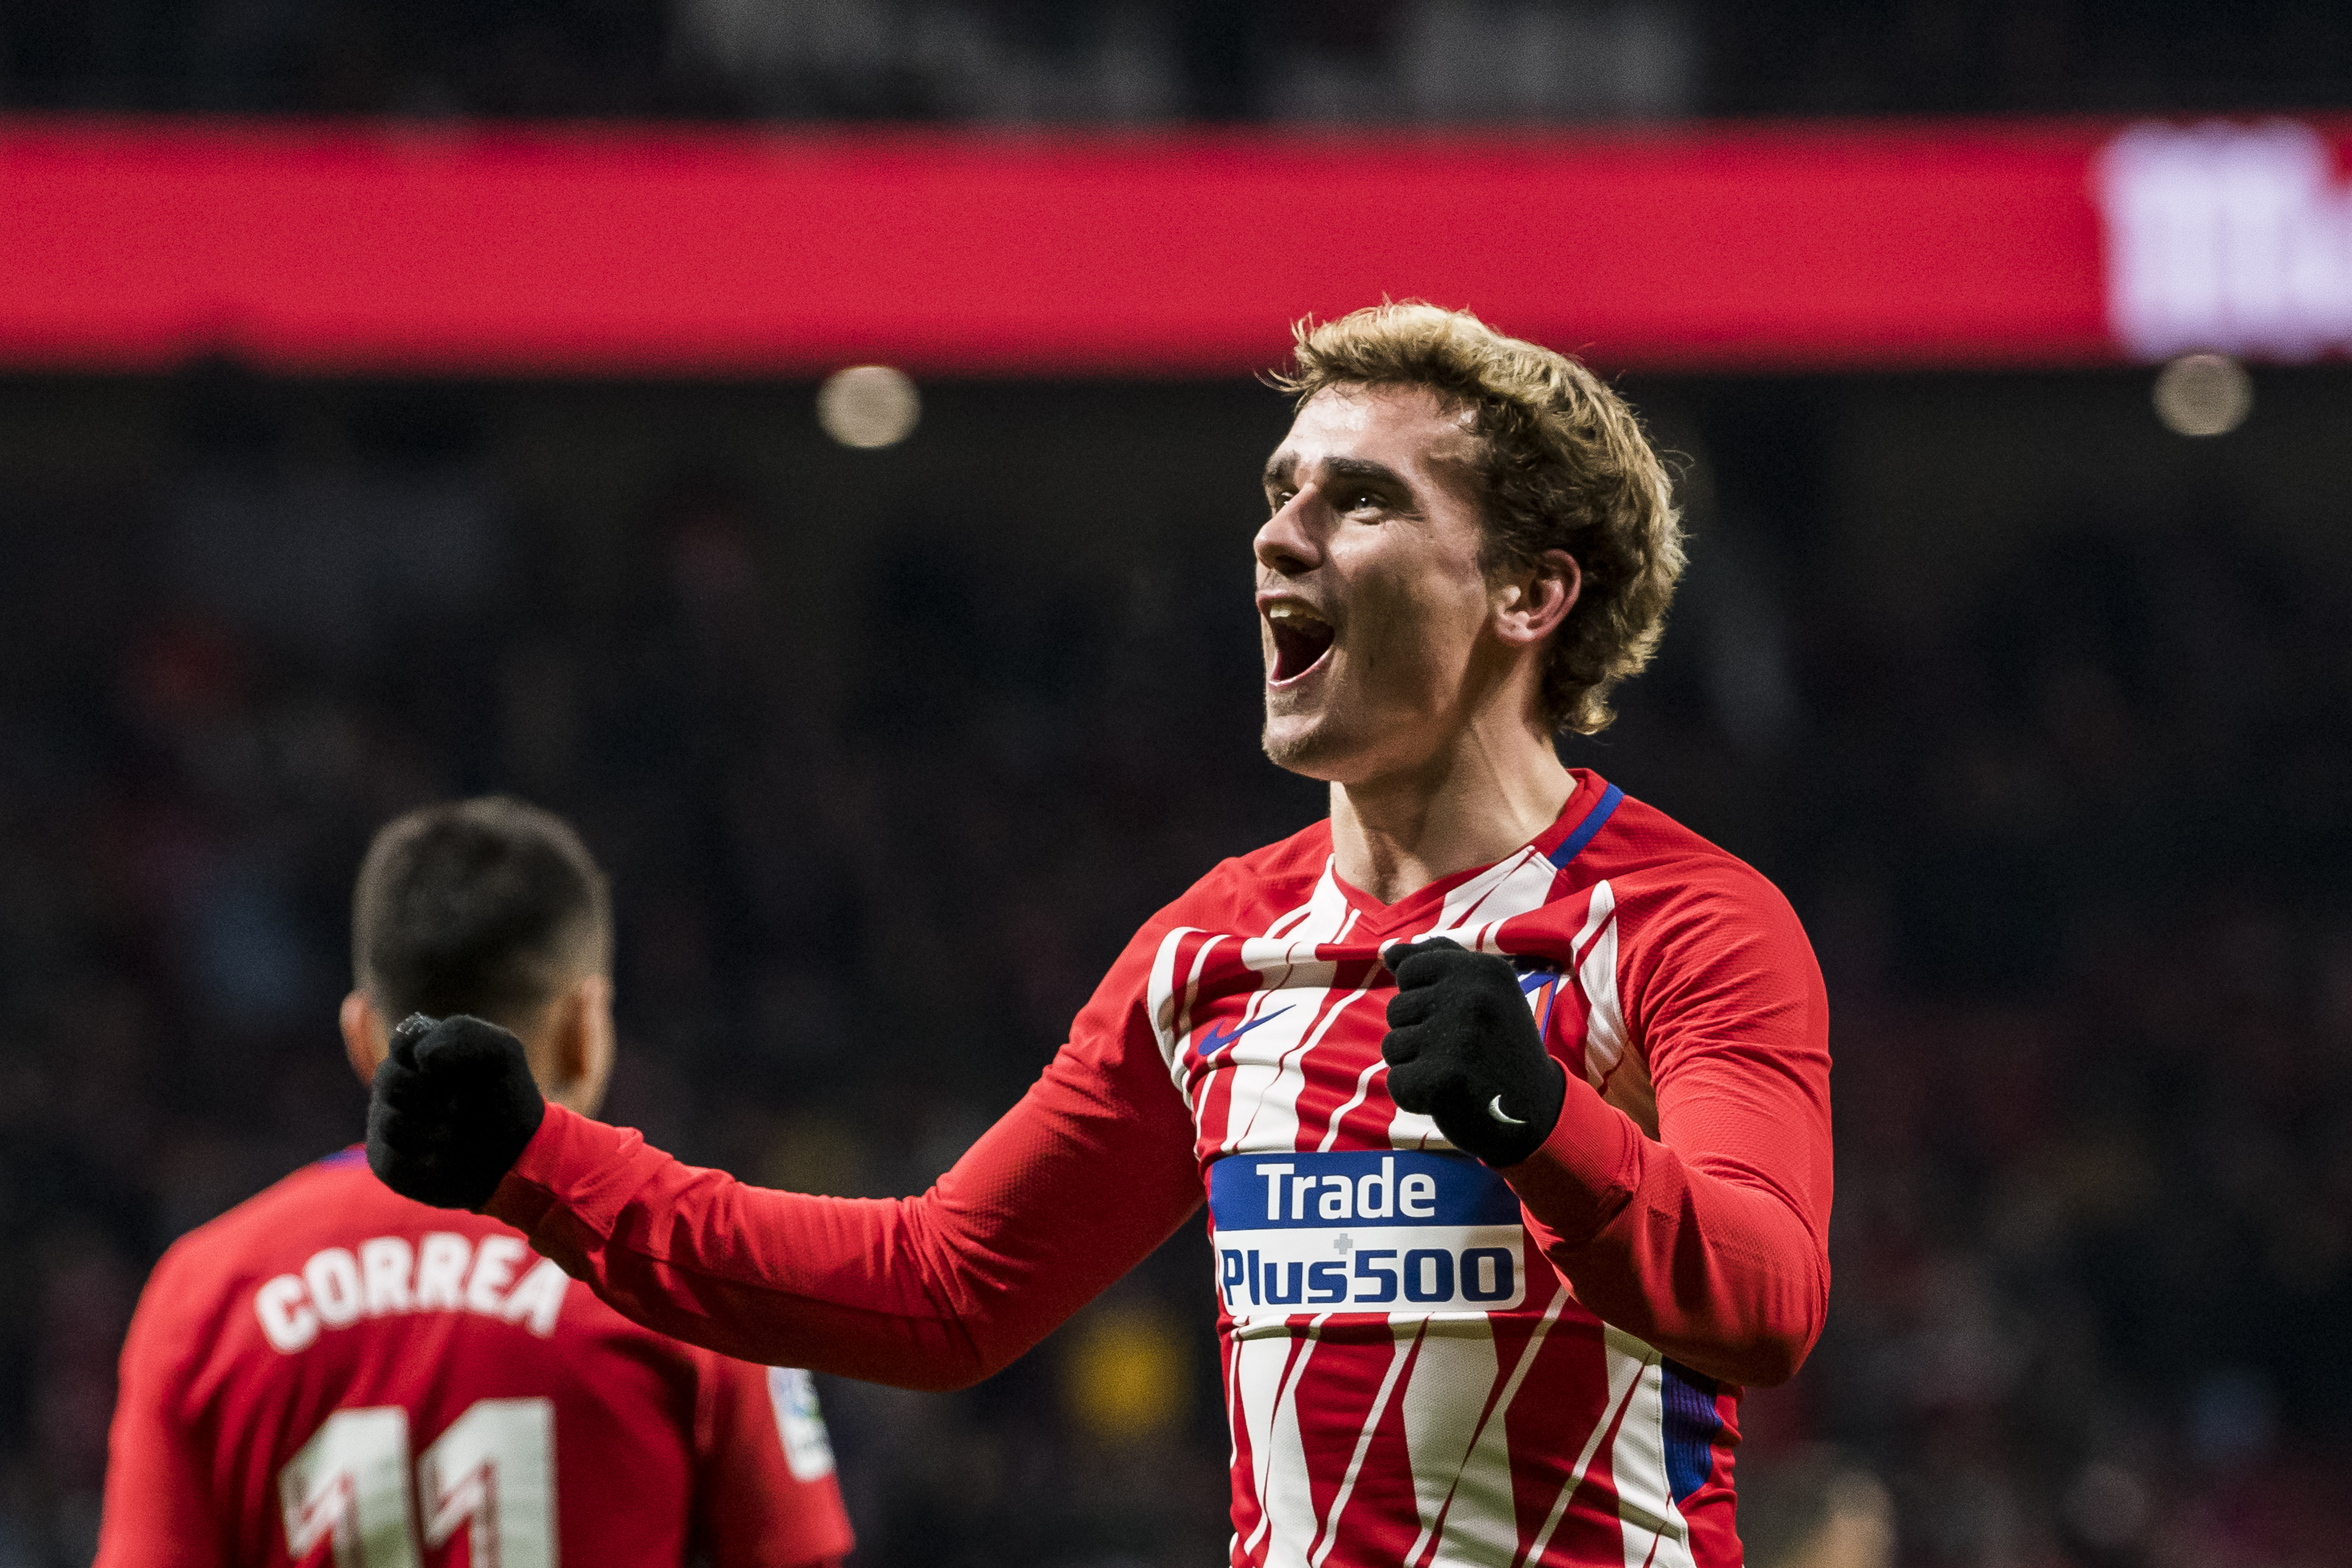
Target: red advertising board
{"points": [[504, 251]]}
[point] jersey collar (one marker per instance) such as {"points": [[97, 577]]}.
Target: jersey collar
{"points": [[1586, 811]]}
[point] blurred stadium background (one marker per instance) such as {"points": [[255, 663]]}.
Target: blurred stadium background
{"points": [[2025, 670]]}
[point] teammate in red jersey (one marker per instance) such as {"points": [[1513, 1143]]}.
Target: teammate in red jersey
{"points": [[1509, 1096], [333, 1372]]}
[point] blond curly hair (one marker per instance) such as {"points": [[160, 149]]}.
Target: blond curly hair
{"points": [[1563, 465]]}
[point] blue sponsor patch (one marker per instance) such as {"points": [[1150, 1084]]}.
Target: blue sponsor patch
{"points": [[1281, 1192], [1368, 1231]]}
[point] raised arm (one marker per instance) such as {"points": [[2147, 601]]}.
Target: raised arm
{"points": [[1073, 1188], [1092, 1170], [1710, 1241]]}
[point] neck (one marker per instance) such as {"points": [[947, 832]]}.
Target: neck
{"points": [[1495, 786]]}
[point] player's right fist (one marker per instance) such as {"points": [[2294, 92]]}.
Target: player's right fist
{"points": [[450, 1110]]}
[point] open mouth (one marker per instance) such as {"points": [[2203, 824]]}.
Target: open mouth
{"points": [[1301, 639]]}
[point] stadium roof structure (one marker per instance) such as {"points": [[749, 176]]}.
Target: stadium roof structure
{"points": [[407, 247]]}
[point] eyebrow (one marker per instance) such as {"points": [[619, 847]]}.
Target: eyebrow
{"points": [[1279, 467], [1362, 470]]}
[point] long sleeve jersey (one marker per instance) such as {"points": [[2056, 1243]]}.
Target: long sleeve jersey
{"points": [[1426, 1361], [330, 1373]]}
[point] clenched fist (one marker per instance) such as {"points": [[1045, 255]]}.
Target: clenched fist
{"points": [[1464, 1051], [451, 1108]]}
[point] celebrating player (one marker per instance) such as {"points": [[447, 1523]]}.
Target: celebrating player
{"points": [[1509, 1096], [329, 1368]]}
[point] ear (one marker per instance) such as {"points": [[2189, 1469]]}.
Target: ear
{"points": [[1531, 603], [365, 1039], [580, 1054]]}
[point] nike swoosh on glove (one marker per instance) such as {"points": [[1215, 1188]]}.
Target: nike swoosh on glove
{"points": [[1463, 1049], [450, 1110]]}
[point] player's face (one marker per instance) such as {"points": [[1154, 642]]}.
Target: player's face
{"points": [[1372, 611]]}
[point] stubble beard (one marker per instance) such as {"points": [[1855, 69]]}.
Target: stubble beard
{"points": [[1313, 750]]}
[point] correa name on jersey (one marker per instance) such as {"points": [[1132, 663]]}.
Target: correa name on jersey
{"points": [[440, 1271], [330, 1371]]}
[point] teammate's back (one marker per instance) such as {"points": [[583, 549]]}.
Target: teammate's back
{"points": [[328, 1358], [333, 1371]]}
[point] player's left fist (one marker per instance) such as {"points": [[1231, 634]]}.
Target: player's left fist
{"points": [[1463, 1049], [451, 1108]]}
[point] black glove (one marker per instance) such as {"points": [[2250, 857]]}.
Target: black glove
{"points": [[450, 1110], [1464, 1051]]}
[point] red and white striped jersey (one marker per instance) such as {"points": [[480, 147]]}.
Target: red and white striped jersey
{"points": [[1426, 1361], [1407, 1378]]}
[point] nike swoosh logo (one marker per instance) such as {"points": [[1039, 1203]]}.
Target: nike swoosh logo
{"points": [[1213, 1042]]}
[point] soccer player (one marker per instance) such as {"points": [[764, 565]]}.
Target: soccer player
{"points": [[333, 1371], [1507, 1094]]}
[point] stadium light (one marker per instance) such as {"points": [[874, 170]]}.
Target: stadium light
{"points": [[2203, 395], [869, 405]]}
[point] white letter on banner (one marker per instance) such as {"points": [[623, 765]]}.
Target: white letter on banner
{"points": [[1417, 1195], [1385, 1181], [1274, 1175]]}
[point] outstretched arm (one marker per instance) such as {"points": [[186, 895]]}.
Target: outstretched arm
{"points": [[1074, 1186], [1090, 1171], [1711, 1240]]}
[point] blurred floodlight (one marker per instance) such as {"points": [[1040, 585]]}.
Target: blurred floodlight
{"points": [[2203, 395], [869, 405], [1126, 1375]]}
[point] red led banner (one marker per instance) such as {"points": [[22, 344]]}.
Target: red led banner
{"points": [[133, 245]]}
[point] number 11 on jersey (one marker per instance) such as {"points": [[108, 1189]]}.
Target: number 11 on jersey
{"points": [[493, 1471]]}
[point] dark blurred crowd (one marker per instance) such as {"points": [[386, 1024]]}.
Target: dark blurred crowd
{"points": [[1369, 61], [2074, 849]]}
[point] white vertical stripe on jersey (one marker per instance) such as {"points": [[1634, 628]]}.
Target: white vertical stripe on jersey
{"points": [[1168, 1023], [1461, 1464], [1626, 1359], [1596, 972], [1192, 987], [1185, 1029], [1266, 1387], [1265, 1076], [1331, 1015], [1523, 885], [1485, 1469], [1451, 1379], [1472, 911], [1653, 1527]]}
